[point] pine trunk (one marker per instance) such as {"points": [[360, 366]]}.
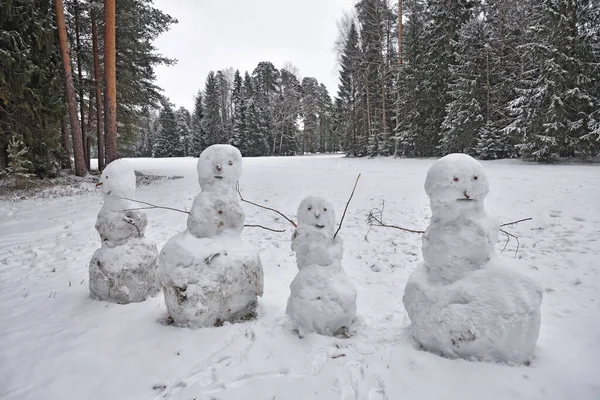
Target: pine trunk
{"points": [[66, 162], [98, 84], [80, 169], [80, 82], [89, 125], [110, 76], [400, 32]]}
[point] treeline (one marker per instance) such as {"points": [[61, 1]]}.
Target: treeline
{"points": [[33, 95], [493, 78], [268, 112]]}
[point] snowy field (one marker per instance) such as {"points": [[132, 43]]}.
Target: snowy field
{"points": [[57, 343]]}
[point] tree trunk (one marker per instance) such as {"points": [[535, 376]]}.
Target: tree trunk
{"points": [[66, 162], [90, 116], [80, 82], [110, 76], [400, 32], [98, 84], [80, 169]]}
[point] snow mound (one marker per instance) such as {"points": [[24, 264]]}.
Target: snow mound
{"points": [[207, 282], [322, 298], [492, 314], [124, 273]]}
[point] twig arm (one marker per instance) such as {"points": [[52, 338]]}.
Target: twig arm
{"points": [[264, 227], [516, 222], [346, 208], [263, 207]]}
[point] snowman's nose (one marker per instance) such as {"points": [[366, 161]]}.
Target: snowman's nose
{"points": [[218, 166], [317, 215], [466, 195]]}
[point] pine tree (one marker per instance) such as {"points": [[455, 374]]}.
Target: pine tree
{"points": [[18, 166], [238, 119], [468, 112], [198, 136], [212, 123], [184, 121], [310, 110], [348, 125], [266, 80], [168, 141], [557, 97]]}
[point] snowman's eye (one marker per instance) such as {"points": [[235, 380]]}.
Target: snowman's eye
{"points": [[309, 208], [455, 179], [325, 209], [230, 162], [475, 177]]}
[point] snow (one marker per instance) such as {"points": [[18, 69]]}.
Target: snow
{"points": [[322, 298], [208, 274], [56, 342], [123, 269]]}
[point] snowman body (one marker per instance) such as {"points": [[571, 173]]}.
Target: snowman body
{"points": [[464, 301], [208, 273], [123, 270], [322, 298]]}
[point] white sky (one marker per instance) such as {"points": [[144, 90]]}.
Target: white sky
{"points": [[217, 34]]}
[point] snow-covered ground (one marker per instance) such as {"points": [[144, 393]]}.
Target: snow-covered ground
{"points": [[57, 343]]}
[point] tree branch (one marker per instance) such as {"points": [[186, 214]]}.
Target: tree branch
{"points": [[346, 208], [515, 222], [151, 206], [266, 208], [508, 236], [264, 227]]}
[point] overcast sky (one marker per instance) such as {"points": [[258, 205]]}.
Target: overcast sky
{"points": [[217, 34]]}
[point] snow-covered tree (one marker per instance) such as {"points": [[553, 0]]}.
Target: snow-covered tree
{"points": [[198, 136], [18, 167], [184, 121], [167, 142]]}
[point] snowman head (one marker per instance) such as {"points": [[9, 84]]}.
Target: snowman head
{"points": [[219, 164], [318, 213], [456, 180], [118, 179]]}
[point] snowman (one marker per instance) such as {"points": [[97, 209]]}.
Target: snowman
{"points": [[208, 274], [123, 270], [464, 301], [322, 298]]}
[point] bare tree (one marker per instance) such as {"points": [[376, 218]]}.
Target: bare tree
{"points": [[80, 169]]}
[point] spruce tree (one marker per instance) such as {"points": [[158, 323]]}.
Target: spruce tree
{"points": [[213, 125], [198, 136], [238, 119], [184, 121], [168, 141]]}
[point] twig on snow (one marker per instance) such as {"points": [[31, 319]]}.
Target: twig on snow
{"points": [[266, 208], [516, 222], [264, 227], [346, 208], [133, 223]]}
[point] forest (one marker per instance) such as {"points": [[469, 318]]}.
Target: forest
{"points": [[493, 79]]}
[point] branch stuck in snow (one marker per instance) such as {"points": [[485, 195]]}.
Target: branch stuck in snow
{"points": [[508, 236], [266, 208], [347, 204]]}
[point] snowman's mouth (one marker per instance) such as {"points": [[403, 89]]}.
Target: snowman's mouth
{"points": [[218, 177], [320, 226], [99, 184], [465, 199]]}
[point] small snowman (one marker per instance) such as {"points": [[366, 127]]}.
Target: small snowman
{"points": [[464, 301], [322, 298], [123, 270], [208, 273]]}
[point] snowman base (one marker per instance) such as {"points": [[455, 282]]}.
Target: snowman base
{"points": [[209, 281], [322, 300], [124, 273], [492, 314]]}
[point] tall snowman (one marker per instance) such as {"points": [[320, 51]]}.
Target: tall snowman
{"points": [[123, 270], [208, 273], [464, 301], [322, 298]]}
